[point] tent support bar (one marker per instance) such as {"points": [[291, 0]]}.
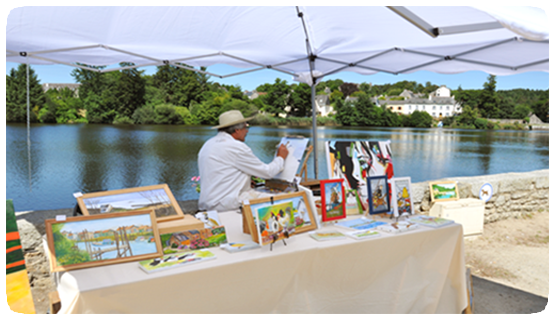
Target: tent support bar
{"points": [[29, 129], [65, 63], [467, 28], [414, 19], [442, 31], [532, 63], [128, 67], [195, 70]]}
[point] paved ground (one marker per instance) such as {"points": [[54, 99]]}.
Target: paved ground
{"points": [[489, 297]]}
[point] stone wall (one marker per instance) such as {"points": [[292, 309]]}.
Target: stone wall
{"points": [[514, 194]]}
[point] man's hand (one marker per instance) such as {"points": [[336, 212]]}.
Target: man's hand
{"points": [[282, 151]]}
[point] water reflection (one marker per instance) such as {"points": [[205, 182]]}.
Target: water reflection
{"points": [[86, 157]]}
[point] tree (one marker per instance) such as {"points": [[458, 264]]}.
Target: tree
{"points": [[129, 91], [179, 86], [301, 100], [348, 88], [521, 111], [489, 101], [276, 97], [16, 95], [420, 119]]}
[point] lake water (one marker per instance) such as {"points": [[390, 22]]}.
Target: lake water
{"points": [[137, 248], [85, 157]]}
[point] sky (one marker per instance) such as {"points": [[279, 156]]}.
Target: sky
{"points": [[249, 81]]}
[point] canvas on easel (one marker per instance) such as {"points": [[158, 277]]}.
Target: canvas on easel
{"points": [[296, 145]]}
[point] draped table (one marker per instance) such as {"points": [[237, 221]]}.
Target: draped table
{"points": [[419, 271]]}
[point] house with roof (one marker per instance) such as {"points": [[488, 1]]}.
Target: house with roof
{"points": [[439, 103]]}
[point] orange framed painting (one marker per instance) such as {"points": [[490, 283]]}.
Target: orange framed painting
{"points": [[277, 217], [157, 197], [90, 241]]}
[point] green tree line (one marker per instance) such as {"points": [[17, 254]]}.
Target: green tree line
{"points": [[177, 95]]}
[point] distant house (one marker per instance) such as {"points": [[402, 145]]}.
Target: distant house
{"points": [[253, 94], [323, 105], [58, 86], [439, 103]]}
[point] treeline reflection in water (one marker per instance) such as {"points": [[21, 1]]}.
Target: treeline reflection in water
{"points": [[65, 159]]}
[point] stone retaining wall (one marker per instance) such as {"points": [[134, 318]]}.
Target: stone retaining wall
{"points": [[514, 194]]}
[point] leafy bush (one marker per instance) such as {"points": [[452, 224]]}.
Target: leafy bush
{"points": [[481, 123]]}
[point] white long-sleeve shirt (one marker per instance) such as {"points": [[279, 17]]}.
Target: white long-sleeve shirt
{"points": [[226, 166]]}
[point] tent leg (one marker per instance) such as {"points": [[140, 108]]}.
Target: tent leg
{"points": [[28, 129], [314, 130]]}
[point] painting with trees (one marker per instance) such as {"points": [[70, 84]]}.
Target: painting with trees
{"points": [[88, 241]]}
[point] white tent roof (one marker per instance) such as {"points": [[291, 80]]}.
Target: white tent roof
{"points": [[365, 40]]}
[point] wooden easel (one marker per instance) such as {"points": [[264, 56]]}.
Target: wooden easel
{"points": [[312, 184]]}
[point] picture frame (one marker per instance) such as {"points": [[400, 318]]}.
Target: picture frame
{"points": [[444, 191], [275, 218], [156, 197], [401, 196], [333, 200], [104, 239], [378, 195]]}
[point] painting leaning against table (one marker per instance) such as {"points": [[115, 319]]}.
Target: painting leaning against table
{"points": [[87, 241]]}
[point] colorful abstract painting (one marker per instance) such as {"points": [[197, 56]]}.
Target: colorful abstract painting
{"points": [[354, 161]]}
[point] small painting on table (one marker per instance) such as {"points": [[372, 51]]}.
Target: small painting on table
{"points": [[401, 197], [444, 191], [378, 195], [278, 217], [89, 241], [158, 198], [333, 199]]}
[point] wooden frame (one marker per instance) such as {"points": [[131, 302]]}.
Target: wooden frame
{"points": [[378, 195], [82, 242], [401, 196], [267, 226], [157, 197], [444, 191], [333, 200]]}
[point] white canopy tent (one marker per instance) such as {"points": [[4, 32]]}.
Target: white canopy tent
{"points": [[307, 43]]}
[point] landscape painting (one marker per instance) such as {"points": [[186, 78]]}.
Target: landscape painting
{"points": [[401, 196], [378, 189], [333, 199], [87, 241], [444, 191], [278, 217], [158, 198], [195, 239]]}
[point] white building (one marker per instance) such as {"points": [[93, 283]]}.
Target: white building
{"points": [[439, 104]]}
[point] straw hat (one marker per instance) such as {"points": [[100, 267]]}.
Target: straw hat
{"points": [[230, 118]]}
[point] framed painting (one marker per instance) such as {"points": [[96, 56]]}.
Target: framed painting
{"points": [[158, 198], [354, 161], [378, 195], [275, 218], [333, 200], [90, 241], [401, 196], [444, 191]]}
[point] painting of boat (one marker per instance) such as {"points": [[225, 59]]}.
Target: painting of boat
{"points": [[105, 242], [141, 238]]}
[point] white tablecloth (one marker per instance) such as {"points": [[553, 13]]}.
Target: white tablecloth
{"points": [[420, 271]]}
